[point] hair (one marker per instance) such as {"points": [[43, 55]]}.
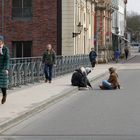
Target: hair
{"points": [[52, 50], [111, 69]]}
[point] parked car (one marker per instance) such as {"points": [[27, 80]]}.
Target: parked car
{"points": [[135, 45]]}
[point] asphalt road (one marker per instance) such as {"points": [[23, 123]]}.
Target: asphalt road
{"points": [[135, 60], [88, 115]]}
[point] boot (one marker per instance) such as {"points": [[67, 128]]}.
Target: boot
{"points": [[3, 99]]}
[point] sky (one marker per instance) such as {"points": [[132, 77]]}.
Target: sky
{"points": [[133, 5]]}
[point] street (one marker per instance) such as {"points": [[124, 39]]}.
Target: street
{"points": [[89, 114]]}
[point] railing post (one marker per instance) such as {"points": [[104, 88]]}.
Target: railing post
{"points": [[38, 69], [32, 72], [18, 80], [10, 78], [25, 72]]}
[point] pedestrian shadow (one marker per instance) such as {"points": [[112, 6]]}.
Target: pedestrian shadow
{"points": [[122, 88]]}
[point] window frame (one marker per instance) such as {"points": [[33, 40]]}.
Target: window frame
{"points": [[21, 11]]}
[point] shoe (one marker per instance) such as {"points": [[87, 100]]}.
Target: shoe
{"points": [[3, 100], [50, 81], [101, 87], [118, 86], [46, 81]]}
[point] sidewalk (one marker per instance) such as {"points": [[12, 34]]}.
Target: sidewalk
{"points": [[25, 102]]}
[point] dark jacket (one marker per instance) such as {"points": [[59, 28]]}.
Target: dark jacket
{"points": [[49, 57], [92, 56], [80, 79], [4, 65]]}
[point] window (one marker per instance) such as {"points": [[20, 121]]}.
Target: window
{"points": [[21, 8], [22, 48]]}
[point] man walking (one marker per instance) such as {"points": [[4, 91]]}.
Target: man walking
{"points": [[4, 67], [49, 61], [92, 57]]}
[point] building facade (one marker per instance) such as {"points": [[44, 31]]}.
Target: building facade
{"points": [[104, 30], [115, 26], [71, 26], [77, 26], [119, 35], [121, 17], [28, 25]]}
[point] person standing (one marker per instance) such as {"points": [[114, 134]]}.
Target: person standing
{"points": [[4, 68], [92, 57], [126, 51], [49, 61]]}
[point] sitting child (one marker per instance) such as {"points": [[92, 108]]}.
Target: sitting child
{"points": [[112, 82]]}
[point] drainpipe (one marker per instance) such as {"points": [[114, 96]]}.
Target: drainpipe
{"points": [[2, 20], [74, 23]]}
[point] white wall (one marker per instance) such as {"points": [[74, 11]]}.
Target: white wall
{"points": [[121, 17], [67, 27]]}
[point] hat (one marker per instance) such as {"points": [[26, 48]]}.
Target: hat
{"points": [[111, 69], [88, 70], [1, 38]]}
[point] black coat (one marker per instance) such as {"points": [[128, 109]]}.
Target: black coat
{"points": [[92, 56], [80, 79]]}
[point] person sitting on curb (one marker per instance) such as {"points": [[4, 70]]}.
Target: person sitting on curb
{"points": [[112, 82], [79, 78]]}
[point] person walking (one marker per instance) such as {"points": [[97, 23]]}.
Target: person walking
{"points": [[4, 68], [117, 55], [92, 57], [49, 61], [126, 51]]}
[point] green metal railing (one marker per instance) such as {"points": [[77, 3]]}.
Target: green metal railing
{"points": [[30, 70]]}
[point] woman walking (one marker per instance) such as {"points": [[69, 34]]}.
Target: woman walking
{"points": [[49, 61], [4, 67]]}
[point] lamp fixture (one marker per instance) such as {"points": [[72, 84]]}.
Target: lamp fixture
{"points": [[79, 29]]}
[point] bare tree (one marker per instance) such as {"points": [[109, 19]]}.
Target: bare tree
{"points": [[133, 22]]}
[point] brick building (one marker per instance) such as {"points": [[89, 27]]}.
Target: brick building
{"points": [[28, 25]]}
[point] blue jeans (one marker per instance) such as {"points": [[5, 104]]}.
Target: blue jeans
{"points": [[48, 71], [106, 84]]}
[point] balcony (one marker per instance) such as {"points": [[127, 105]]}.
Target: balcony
{"points": [[101, 6]]}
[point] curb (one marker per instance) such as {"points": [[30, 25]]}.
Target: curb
{"points": [[43, 105]]}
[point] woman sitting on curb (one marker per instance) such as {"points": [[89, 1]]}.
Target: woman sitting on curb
{"points": [[79, 78], [112, 82]]}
